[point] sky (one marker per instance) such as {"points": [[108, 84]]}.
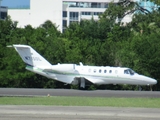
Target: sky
{"points": [[15, 3], [26, 3]]}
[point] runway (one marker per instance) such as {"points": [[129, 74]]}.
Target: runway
{"points": [[12, 112], [41, 112], [83, 93]]}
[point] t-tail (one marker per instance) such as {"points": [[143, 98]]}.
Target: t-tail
{"points": [[31, 57]]}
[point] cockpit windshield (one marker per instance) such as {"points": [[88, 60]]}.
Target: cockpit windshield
{"points": [[129, 71]]}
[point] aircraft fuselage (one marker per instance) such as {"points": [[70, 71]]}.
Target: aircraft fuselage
{"points": [[95, 74]]}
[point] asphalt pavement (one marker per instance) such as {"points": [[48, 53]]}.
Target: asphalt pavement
{"points": [[83, 93], [15, 112]]}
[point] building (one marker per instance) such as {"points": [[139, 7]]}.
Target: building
{"points": [[3, 11], [60, 12]]}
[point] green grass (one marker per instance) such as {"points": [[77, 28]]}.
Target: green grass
{"points": [[82, 101]]}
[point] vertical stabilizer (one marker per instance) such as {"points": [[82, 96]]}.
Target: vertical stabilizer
{"points": [[30, 56]]}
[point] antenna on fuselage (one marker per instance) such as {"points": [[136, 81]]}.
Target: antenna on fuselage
{"points": [[81, 64]]}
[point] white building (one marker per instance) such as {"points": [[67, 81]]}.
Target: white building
{"points": [[60, 12]]}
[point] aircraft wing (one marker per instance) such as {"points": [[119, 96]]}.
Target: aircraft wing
{"points": [[94, 80]]}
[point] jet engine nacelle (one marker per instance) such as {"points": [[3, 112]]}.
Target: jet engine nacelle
{"points": [[64, 67]]}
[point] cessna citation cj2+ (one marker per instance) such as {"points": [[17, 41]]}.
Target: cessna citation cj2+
{"points": [[80, 74]]}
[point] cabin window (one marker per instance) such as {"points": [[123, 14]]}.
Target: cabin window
{"points": [[110, 71], [94, 70], [89, 70], [100, 71], [116, 71], [105, 71]]}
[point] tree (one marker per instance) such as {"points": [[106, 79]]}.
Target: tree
{"points": [[7, 30]]}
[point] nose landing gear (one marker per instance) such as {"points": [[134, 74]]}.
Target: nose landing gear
{"points": [[151, 87]]}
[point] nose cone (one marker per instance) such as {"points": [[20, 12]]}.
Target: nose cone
{"points": [[151, 81], [148, 80], [154, 81]]}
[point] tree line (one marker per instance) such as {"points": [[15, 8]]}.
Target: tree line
{"points": [[103, 43]]}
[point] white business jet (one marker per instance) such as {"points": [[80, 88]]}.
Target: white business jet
{"points": [[80, 74]]}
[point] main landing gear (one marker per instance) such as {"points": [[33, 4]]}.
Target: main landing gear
{"points": [[140, 88]]}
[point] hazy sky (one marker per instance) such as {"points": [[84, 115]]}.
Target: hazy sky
{"points": [[15, 3], [24, 3]]}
